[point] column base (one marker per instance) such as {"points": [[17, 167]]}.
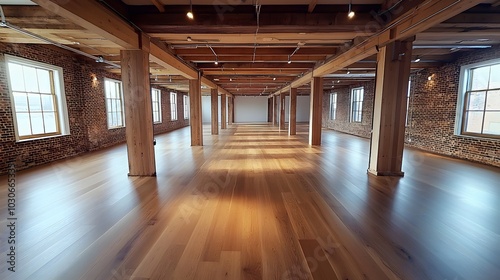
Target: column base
{"points": [[386, 173]]}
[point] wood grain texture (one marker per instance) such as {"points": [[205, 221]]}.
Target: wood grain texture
{"points": [[255, 203], [389, 113], [195, 113], [282, 111], [292, 123], [138, 112], [214, 102], [316, 111], [223, 114]]}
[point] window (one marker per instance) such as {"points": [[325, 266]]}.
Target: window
{"points": [[408, 102], [357, 104], [114, 103], [186, 107], [156, 101], [479, 105], [38, 100], [333, 106], [173, 106]]}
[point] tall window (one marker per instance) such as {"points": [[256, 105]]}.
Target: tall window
{"points": [[408, 102], [357, 104], [38, 100], [186, 107], [333, 106], [173, 106], [156, 101], [114, 103], [481, 99]]}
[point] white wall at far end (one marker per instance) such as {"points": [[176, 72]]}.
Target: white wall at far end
{"points": [[303, 108], [248, 109]]}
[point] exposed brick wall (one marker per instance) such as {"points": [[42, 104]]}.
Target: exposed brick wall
{"points": [[431, 114], [433, 109], [167, 124], [86, 111], [342, 122]]}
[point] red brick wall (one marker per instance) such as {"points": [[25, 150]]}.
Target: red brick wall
{"points": [[431, 114], [342, 122], [86, 111], [433, 109], [167, 124]]}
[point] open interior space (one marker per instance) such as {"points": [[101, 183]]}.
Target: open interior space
{"points": [[255, 203], [263, 139]]}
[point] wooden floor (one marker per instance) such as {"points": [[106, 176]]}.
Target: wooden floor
{"points": [[254, 203]]}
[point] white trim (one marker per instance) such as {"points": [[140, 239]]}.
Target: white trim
{"points": [[62, 109], [158, 95], [122, 98], [462, 89]]}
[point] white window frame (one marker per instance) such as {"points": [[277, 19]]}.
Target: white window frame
{"points": [[121, 101], [465, 75], [59, 92], [354, 119], [408, 103], [186, 107], [333, 106], [173, 106], [156, 93]]}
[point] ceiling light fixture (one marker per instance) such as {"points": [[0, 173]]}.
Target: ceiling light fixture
{"points": [[274, 79], [156, 78], [289, 60], [230, 79], [418, 59], [190, 13], [351, 13]]}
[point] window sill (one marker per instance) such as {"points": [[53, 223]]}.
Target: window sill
{"points": [[116, 127], [40, 138], [478, 137]]}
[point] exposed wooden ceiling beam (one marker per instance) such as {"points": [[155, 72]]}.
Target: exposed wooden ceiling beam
{"points": [[158, 5], [258, 58], [256, 65], [244, 23], [253, 72], [260, 51], [409, 24], [312, 5], [93, 17]]}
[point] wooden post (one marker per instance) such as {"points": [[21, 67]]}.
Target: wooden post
{"points": [[195, 112], [316, 111], [292, 123], [223, 122], [215, 111], [282, 111], [269, 110], [230, 110], [138, 112], [387, 143], [275, 110]]}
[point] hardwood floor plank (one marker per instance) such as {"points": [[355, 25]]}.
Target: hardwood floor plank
{"points": [[255, 203]]}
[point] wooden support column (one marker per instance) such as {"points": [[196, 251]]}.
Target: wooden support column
{"points": [[275, 110], [230, 110], [223, 122], [316, 111], [195, 112], [282, 111], [389, 115], [138, 112], [292, 123], [215, 111], [269, 110]]}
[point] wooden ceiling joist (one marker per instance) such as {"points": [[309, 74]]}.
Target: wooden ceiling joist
{"points": [[418, 19]]}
